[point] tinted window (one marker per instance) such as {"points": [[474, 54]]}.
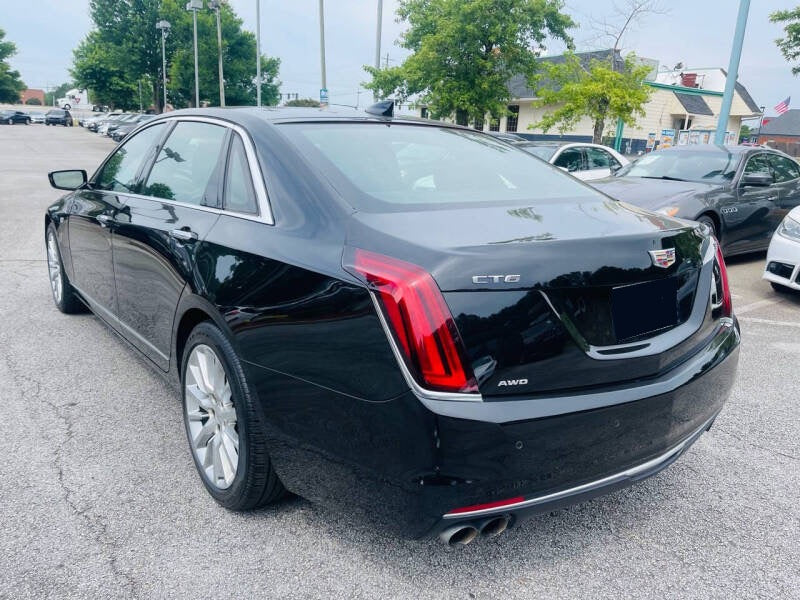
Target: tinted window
{"points": [[687, 165], [784, 169], [758, 164], [600, 159], [185, 169], [119, 172], [387, 166], [239, 193], [570, 159], [543, 152]]}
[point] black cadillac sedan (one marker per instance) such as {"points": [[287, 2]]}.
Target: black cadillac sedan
{"points": [[406, 319], [741, 192]]}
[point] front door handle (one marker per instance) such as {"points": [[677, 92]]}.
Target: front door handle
{"points": [[185, 235]]}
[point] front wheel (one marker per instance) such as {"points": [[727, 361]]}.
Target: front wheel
{"points": [[64, 295], [223, 424], [11, 121], [709, 222]]}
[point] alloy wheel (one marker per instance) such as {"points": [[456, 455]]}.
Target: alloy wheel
{"points": [[54, 267], [211, 417]]}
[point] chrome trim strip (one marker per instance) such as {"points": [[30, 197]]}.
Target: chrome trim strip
{"points": [[418, 390], [113, 319], [592, 485], [259, 185]]}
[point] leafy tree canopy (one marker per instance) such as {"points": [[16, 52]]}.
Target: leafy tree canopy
{"points": [[789, 45], [125, 49], [464, 52], [11, 84], [600, 90]]}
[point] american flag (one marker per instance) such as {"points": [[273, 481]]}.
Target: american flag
{"points": [[782, 107]]}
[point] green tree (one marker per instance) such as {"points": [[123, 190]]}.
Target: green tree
{"points": [[601, 90], [125, 48], [309, 102], [789, 45], [465, 51], [11, 84]]}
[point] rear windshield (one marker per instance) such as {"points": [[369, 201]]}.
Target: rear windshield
{"points": [[411, 167]]}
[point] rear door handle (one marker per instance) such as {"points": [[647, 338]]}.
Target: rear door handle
{"points": [[185, 235]]}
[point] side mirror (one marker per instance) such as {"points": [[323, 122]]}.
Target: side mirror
{"points": [[615, 168], [68, 180], [757, 179]]}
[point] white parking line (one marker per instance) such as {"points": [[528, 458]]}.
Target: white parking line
{"points": [[770, 322], [740, 310]]}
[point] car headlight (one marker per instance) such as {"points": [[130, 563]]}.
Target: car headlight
{"points": [[670, 211], [790, 229]]}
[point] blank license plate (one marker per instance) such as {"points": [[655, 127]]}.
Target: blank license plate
{"points": [[644, 307]]}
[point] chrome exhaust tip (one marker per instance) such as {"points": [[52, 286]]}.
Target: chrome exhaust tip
{"points": [[459, 535], [494, 527]]}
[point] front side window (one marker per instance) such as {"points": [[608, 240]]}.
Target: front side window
{"points": [[239, 193], [758, 164], [119, 172], [396, 167], [783, 169], [570, 159], [186, 168]]}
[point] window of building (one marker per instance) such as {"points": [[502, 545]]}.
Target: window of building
{"points": [[479, 124], [423, 112], [494, 124], [513, 118], [461, 117]]}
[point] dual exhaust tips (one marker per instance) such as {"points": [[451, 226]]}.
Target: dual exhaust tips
{"points": [[464, 533]]}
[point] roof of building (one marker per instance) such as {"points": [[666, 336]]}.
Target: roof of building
{"points": [[694, 105], [786, 124], [518, 84]]}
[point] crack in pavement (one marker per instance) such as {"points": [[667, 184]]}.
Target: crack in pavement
{"points": [[754, 445], [30, 392]]}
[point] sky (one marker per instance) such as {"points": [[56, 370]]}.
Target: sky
{"points": [[696, 33]]}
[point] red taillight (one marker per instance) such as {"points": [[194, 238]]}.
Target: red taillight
{"points": [[724, 301], [488, 505], [419, 319]]}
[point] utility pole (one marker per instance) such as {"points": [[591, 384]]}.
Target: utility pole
{"points": [[258, 52], [215, 6], [733, 72], [378, 44], [323, 91], [194, 6], [164, 26], [386, 65]]}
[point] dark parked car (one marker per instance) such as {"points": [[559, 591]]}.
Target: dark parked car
{"points": [[58, 116], [120, 131], [446, 345], [741, 192], [11, 117]]}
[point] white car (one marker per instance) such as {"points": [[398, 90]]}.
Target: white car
{"points": [[582, 160], [783, 256]]}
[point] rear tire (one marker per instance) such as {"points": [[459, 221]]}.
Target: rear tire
{"points": [[64, 295], [222, 418]]}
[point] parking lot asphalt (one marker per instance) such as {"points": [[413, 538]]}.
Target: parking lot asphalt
{"points": [[99, 497]]}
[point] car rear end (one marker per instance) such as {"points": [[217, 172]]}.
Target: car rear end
{"points": [[556, 344]]}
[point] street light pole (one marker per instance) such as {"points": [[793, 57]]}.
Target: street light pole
{"points": [[258, 52], [322, 43], [194, 6], [164, 26], [215, 5], [378, 43], [733, 72]]}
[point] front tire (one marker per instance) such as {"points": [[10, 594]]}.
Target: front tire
{"points": [[64, 295], [11, 121], [226, 433], [709, 222]]}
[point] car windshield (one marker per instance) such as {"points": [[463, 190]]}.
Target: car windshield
{"points": [[703, 166], [543, 152], [395, 167]]}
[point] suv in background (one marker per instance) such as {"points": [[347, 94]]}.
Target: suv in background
{"points": [[58, 116]]}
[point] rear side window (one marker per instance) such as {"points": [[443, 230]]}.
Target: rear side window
{"points": [[393, 167], [119, 172], [570, 159], [600, 159], [186, 167], [783, 168], [239, 193]]}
